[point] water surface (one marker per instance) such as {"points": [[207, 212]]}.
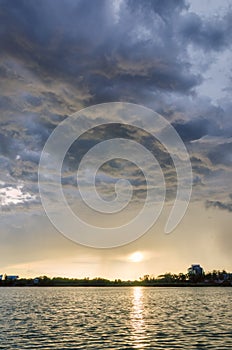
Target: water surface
{"points": [[115, 318]]}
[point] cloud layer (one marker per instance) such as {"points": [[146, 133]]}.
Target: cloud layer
{"points": [[58, 57]]}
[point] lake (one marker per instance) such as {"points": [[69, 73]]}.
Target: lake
{"points": [[115, 318]]}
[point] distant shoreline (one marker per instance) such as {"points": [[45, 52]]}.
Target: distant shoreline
{"points": [[195, 277], [121, 286]]}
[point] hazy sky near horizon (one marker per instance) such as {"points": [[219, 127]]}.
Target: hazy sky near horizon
{"points": [[58, 57]]}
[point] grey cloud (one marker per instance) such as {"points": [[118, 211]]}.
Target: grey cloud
{"points": [[219, 205], [5, 102], [81, 42], [165, 8], [31, 156], [197, 128], [60, 52], [33, 100], [209, 34], [200, 167], [221, 154]]}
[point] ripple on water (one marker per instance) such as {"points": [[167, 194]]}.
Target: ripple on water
{"points": [[115, 318]]}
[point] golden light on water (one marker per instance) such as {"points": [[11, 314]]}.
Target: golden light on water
{"points": [[137, 319]]}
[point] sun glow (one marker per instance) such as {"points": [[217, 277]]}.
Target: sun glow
{"points": [[136, 257]]}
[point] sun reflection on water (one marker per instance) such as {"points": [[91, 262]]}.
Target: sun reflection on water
{"points": [[137, 319]]}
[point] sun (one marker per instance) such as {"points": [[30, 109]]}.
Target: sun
{"points": [[136, 257]]}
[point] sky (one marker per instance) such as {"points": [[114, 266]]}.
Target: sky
{"points": [[58, 57]]}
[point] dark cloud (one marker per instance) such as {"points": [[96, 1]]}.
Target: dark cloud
{"points": [[192, 130], [34, 101], [115, 169], [58, 56], [200, 167], [164, 8], [80, 41], [209, 34], [199, 127], [219, 205], [221, 154], [115, 56]]}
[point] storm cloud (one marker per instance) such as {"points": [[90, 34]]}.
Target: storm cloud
{"points": [[60, 56]]}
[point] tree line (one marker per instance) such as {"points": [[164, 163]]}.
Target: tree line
{"points": [[168, 279]]}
